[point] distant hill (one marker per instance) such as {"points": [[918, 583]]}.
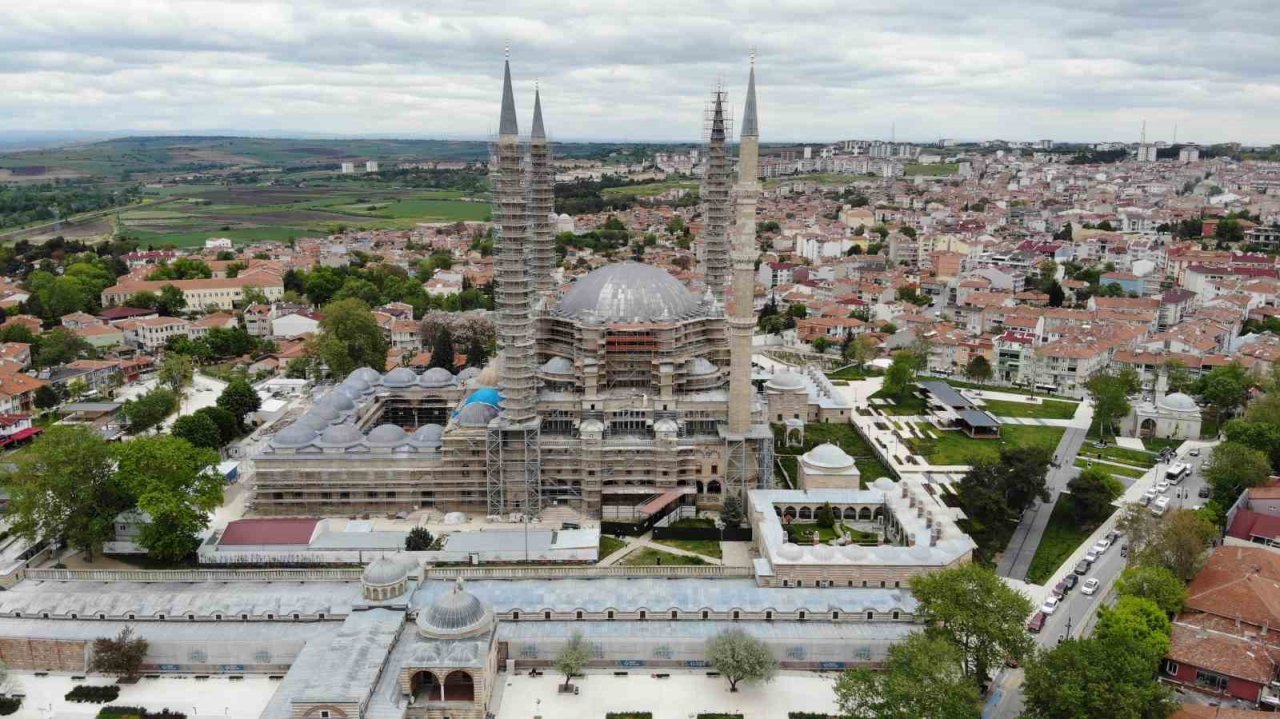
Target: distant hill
{"points": [[135, 157]]}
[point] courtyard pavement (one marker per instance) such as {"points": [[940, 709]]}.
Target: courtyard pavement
{"points": [[216, 696]]}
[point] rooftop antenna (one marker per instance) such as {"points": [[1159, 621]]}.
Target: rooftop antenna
{"points": [[506, 50]]}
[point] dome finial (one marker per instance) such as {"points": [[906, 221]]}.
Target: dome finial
{"points": [[457, 586]]}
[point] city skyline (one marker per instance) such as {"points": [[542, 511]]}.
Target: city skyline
{"points": [[1082, 72]]}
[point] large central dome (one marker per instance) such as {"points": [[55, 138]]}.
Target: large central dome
{"points": [[628, 292]]}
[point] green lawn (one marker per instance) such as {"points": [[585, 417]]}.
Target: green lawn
{"points": [[945, 168], [991, 387], [855, 373], [1046, 409], [249, 234], [1118, 470], [650, 189], [1135, 457], [647, 557], [953, 447], [1061, 537], [910, 404], [609, 545], [705, 547], [843, 435], [789, 464]]}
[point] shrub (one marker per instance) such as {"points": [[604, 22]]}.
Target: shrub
{"points": [[83, 693], [9, 705], [810, 715], [126, 712], [629, 715], [720, 716]]}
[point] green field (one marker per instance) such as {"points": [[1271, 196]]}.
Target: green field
{"points": [[1116, 469], [1046, 409], [953, 447], [648, 557], [705, 547], [843, 435], [609, 545], [1135, 457], [939, 170], [909, 405], [1061, 537], [650, 189]]}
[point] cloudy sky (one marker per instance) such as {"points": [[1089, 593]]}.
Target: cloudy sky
{"points": [[641, 69]]}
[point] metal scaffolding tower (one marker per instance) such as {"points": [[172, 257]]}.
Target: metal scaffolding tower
{"points": [[542, 206], [716, 204]]}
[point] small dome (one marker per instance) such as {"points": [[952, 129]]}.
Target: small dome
{"points": [[400, 377], [455, 614], [884, 484], [790, 552], [385, 571], [1179, 402], [854, 552], [558, 365], [428, 435], [352, 390], [827, 456], [368, 375], [823, 552], [337, 400], [666, 424], [920, 552], [294, 436], [628, 292], [436, 377], [785, 380], [477, 414], [468, 373], [313, 421], [325, 412], [340, 435], [387, 435], [699, 366]]}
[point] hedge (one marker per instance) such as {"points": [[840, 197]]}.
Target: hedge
{"points": [[9, 705], [93, 694], [124, 712], [720, 716], [629, 715], [810, 715]]}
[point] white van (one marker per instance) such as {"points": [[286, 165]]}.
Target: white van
{"points": [[1160, 506]]}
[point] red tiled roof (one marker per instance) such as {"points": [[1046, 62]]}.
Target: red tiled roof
{"points": [[269, 531], [1249, 524]]}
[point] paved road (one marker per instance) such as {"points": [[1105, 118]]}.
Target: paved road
{"points": [[1005, 701], [1016, 560]]}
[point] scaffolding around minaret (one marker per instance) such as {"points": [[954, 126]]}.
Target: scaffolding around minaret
{"points": [[716, 204], [541, 205]]}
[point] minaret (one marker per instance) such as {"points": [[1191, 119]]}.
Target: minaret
{"points": [[715, 199], [742, 306], [542, 205], [512, 288]]}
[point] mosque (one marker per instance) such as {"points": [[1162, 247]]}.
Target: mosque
{"points": [[624, 387]]}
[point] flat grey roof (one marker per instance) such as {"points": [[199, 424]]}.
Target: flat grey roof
{"points": [[178, 599], [947, 394], [847, 631], [977, 418]]}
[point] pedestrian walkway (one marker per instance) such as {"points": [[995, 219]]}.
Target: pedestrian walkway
{"points": [[646, 540]]}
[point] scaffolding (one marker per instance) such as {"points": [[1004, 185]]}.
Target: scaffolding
{"points": [[541, 205], [715, 199], [514, 471]]}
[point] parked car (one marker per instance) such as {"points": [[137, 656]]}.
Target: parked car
{"points": [[1090, 586], [1147, 496], [1092, 555], [1060, 589], [1204, 492], [1162, 486], [1037, 622], [1102, 545], [1050, 605], [1082, 567], [1194, 452], [1071, 580]]}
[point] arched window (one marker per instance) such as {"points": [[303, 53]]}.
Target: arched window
{"points": [[425, 686], [850, 513], [713, 487], [806, 513], [459, 687], [865, 513]]}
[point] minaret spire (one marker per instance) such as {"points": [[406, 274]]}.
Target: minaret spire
{"points": [[538, 131], [542, 205], [742, 307], [507, 124], [715, 197]]}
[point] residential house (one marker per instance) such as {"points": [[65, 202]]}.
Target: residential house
{"points": [[295, 324], [18, 392], [153, 334]]}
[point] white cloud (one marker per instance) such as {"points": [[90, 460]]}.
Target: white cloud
{"points": [[1087, 69]]}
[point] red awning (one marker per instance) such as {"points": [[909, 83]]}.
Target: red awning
{"points": [[22, 434]]}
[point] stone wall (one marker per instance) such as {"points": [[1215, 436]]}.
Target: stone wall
{"points": [[45, 654]]}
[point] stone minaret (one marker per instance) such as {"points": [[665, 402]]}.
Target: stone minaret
{"points": [[742, 319], [513, 291], [716, 206], [542, 205]]}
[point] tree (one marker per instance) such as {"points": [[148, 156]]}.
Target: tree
{"points": [[1088, 678], [350, 338], [239, 398], [176, 485], [176, 372], [64, 488], [149, 410], [821, 343], [901, 375], [228, 425], [995, 494], [573, 658], [1110, 393], [1139, 623], [47, 397], [59, 346], [199, 430], [121, 656], [975, 611], [170, 301], [825, 516], [442, 350], [1156, 584], [923, 678], [143, 300], [1056, 294], [740, 657], [419, 540], [1092, 492], [1178, 543], [1233, 468], [859, 350], [1178, 377], [1226, 388], [732, 512], [978, 369]]}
